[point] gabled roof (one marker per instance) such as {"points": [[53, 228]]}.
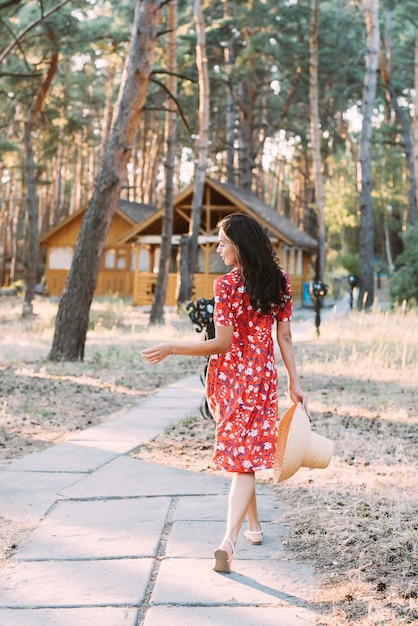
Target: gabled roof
{"points": [[272, 219], [132, 212], [225, 199], [136, 211]]}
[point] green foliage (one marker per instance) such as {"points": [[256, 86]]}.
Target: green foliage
{"points": [[404, 282], [351, 263], [7, 146]]}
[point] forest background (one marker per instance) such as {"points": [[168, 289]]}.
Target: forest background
{"points": [[61, 71]]}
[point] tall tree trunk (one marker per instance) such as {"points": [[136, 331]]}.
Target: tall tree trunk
{"points": [[108, 107], [386, 70], [245, 106], [13, 241], [366, 286], [258, 185], [32, 233], [230, 105], [186, 285], [58, 177], [5, 239], [316, 140], [157, 309], [73, 312], [152, 161], [415, 122]]}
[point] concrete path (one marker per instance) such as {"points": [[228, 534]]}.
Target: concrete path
{"points": [[124, 542]]}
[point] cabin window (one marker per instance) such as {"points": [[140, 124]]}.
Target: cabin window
{"points": [[115, 259], [144, 260], [109, 260], [121, 259], [60, 258]]}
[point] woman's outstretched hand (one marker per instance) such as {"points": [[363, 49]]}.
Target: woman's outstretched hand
{"points": [[158, 352]]}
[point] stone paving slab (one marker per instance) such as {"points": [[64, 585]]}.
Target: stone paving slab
{"points": [[27, 496], [129, 477], [265, 582], [63, 457], [126, 433], [199, 539], [187, 387], [186, 394], [186, 400], [162, 417], [111, 440], [99, 529], [69, 584], [214, 507], [96, 616], [228, 616]]}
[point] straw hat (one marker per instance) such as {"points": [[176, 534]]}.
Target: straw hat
{"points": [[298, 446]]}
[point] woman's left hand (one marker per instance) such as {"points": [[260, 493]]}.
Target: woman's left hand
{"points": [[158, 352], [297, 395]]}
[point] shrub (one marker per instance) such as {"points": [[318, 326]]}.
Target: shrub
{"points": [[404, 281]]}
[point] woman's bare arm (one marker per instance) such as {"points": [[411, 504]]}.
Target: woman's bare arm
{"points": [[219, 345], [284, 339]]}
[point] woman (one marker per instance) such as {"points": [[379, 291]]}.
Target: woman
{"points": [[241, 382]]}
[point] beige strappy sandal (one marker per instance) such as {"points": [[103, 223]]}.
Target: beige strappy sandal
{"points": [[222, 562], [255, 537]]}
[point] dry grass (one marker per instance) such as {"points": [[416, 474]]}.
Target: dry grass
{"points": [[356, 521]]}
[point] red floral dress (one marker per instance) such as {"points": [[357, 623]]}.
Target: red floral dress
{"points": [[241, 385]]}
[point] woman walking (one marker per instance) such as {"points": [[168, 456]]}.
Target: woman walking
{"points": [[241, 384]]}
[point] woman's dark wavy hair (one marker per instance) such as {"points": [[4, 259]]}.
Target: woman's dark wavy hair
{"points": [[257, 260]]}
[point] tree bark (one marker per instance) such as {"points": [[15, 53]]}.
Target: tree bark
{"points": [[245, 106], [157, 309], [366, 283], [386, 70], [153, 157], [415, 122], [186, 285], [316, 140], [73, 312], [32, 233], [59, 186], [230, 105]]}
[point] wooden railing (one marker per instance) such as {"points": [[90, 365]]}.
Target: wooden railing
{"points": [[142, 285]]}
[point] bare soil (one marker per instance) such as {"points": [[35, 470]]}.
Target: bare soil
{"points": [[356, 522]]}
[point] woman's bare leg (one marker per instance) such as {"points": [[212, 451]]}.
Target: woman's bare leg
{"points": [[252, 515], [241, 501]]}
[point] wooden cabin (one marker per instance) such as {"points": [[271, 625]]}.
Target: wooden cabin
{"points": [[295, 247], [116, 275]]}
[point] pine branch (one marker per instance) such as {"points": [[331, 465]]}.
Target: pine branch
{"points": [[29, 27]]}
